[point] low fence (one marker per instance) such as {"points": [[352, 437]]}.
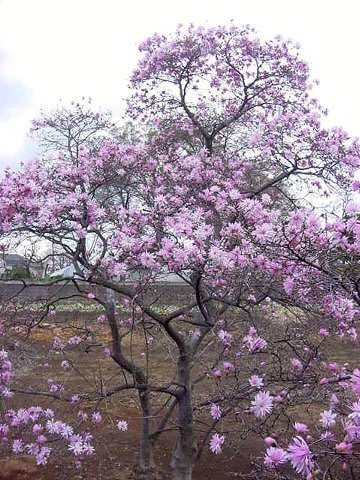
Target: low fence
{"points": [[164, 293]]}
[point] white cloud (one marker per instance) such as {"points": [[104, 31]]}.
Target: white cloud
{"points": [[12, 128]]}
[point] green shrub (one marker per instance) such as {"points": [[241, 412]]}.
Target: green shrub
{"points": [[20, 272], [52, 279]]}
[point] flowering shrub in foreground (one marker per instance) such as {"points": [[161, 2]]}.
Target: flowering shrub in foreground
{"points": [[31, 430]]}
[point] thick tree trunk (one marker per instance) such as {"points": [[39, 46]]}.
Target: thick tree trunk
{"points": [[182, 461], [146, 460]]}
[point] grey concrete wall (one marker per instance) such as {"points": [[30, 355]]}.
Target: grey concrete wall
{"points": [[162, 293]]}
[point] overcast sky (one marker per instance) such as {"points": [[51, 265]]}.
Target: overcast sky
{"points": [[65, 49]]}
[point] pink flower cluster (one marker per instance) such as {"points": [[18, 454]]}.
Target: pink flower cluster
{"points": [[253, 342], [34, 428], [5, 374]]}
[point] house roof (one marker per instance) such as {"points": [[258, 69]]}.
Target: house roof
{"points": [[14, 259]]}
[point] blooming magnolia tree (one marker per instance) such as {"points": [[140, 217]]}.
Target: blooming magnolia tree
{"points": [[216, 193]]}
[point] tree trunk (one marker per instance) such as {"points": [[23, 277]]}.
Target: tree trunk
{"points": [[146, 460], [146, 469], [182, 461]]}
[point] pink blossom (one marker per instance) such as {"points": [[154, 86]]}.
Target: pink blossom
{"points": [[324, 332], [327, 418], [225, 337], [215, 411], [42, 457], [352, 431], [6, 393], [253, 342], [344, 447], [297, 365], [18, 446], [256, 381], [107, 352], [228, 366], [3, 355], [216, 373], [32, 448], [122, 425], [327, 436], [49, 413], [82, 415], [355, 412], [356, 185], [101, 318], [56, 387], [90, 296], [37, 428], [352, 208], [334, 401], [76, 447], [88, 449], [58, 344], [216, 443], [333, 367], [353, 334], [289, 285], [75, 399], [96, 417], [262, 404], [269, 441], [75, 340], [301, 456], [355, 381], [41, 439], [275, 456], [301, 427], [4, 430]]}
